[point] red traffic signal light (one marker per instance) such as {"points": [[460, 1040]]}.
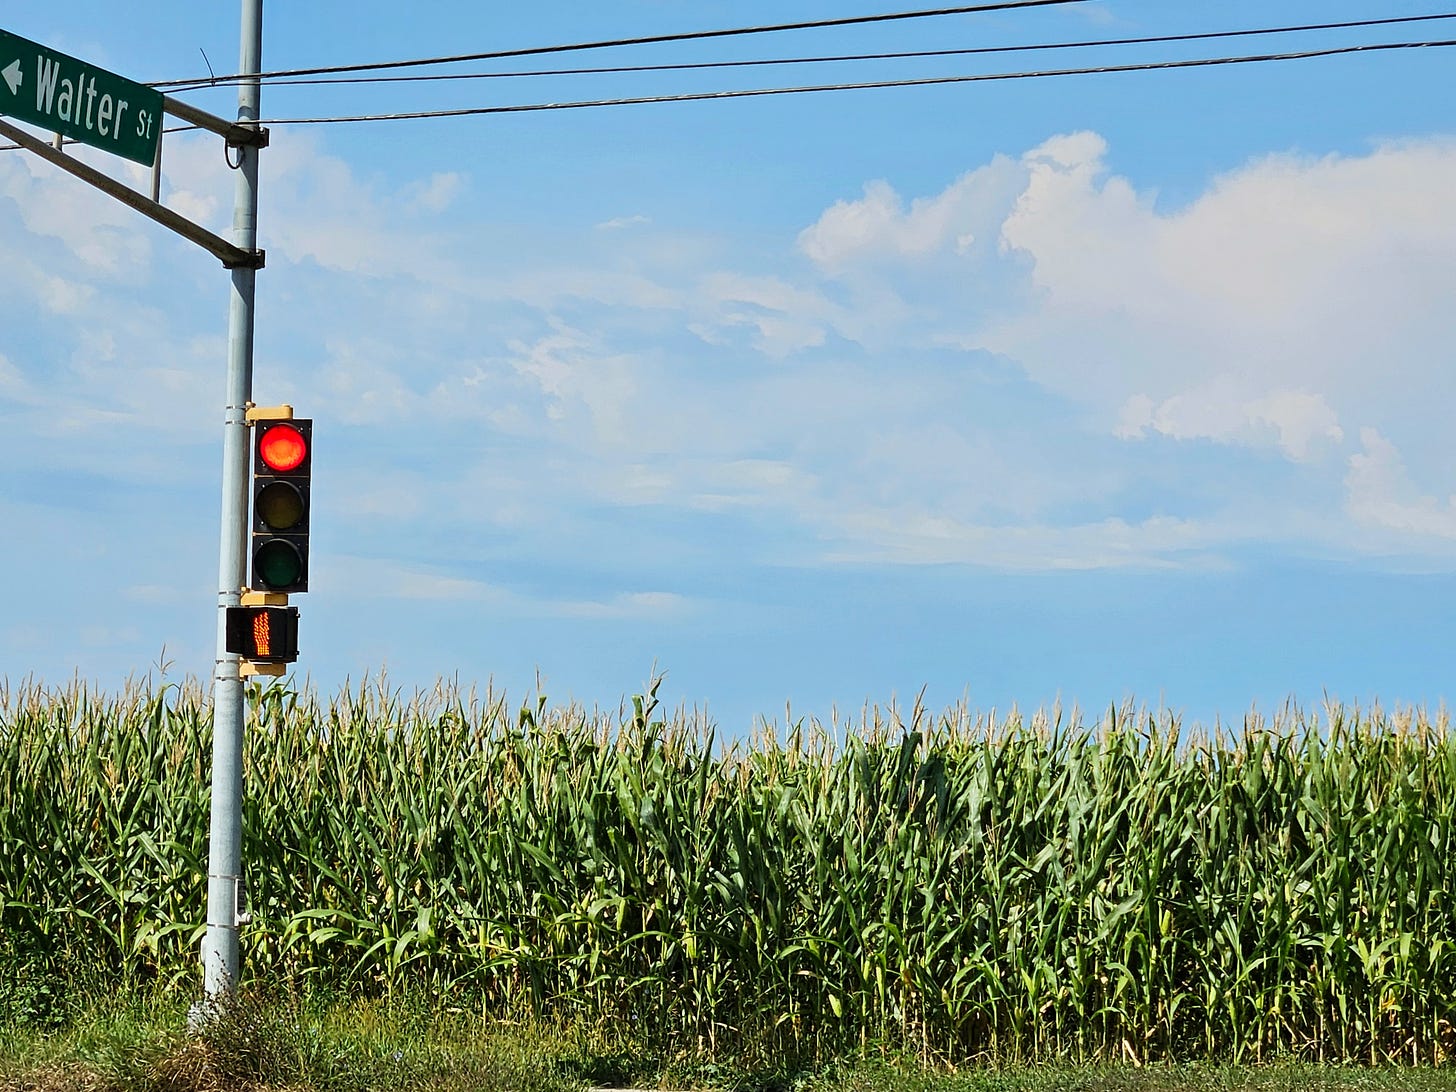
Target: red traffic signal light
{"points": [[282, 468], [282, 447], [263, 635]]}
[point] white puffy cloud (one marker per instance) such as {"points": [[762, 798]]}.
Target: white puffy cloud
{"points": [[1299, 422], [878, 226], [1298, 302], [1292, 294]]}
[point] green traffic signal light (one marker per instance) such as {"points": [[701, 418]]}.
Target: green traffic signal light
{"points": [[279, 565], [282, 467]]}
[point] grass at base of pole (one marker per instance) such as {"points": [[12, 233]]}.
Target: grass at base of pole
{"points": [[135, 1041]]}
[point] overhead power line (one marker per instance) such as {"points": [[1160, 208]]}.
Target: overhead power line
{"points": [[655, 39], [1146, 66], [1161, 39], [926, 81]]}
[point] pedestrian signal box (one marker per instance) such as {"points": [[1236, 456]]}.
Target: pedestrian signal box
{"points": [[263, 635]]}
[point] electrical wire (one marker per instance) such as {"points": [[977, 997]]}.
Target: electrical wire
{"points": [[989, 77], [655, 39], [927, 81], [72, 140], [1161, 39]]}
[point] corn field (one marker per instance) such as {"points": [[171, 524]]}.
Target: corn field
{"points": [[963, 886]]}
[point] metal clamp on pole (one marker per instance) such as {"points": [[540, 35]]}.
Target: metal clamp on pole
{"points": [[252, 259], [241, 912], [235, 133]]}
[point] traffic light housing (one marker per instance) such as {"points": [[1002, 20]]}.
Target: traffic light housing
{"points": [[282, 467], [263, 635]]}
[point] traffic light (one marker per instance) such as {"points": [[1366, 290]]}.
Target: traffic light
{"points": [[263, 635], [282, 465]]}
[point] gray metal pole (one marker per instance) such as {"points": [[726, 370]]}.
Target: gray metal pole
{"points": [[220, 957]]}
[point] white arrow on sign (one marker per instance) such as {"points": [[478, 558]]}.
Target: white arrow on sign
{"points": [[13, 76]]}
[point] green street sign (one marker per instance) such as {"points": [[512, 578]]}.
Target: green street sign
{"points": [[78, 100]]}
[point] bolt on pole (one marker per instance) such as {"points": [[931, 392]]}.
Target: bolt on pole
{"points": [[225, 912]]}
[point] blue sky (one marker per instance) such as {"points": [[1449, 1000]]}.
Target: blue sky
{"points": [[1098, 388]]}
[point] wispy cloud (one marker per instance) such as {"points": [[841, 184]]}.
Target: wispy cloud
{"points": [[392, 580], [619, 222], [1038, 366], [1381, 496]]}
